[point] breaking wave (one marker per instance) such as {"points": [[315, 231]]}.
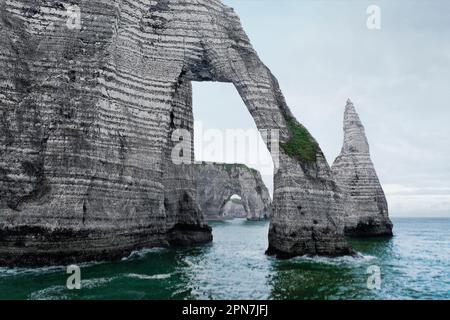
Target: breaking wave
{"points": [[61, 292], [142, 253], [147, 277]]}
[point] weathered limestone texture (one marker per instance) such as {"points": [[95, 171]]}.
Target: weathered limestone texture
{"points": [[217, 183], [365, 206], [85, 117], [234, 209], [184, 219]]}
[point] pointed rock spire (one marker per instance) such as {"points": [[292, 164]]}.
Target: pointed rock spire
{"points": [[366, 209], [355, 140]]}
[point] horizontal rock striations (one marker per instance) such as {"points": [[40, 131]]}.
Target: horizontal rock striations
{"points": [[307, 210], [184, 219], [217, 183], [365, 205], [86, 114]]}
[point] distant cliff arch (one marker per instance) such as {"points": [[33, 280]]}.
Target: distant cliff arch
{"points": [[218, 182]]}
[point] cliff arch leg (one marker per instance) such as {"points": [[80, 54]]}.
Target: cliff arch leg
{"points": [[185, 222]]}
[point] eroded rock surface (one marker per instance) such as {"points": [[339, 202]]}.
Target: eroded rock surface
{"points": [[85, 116], [234, 209], [365, 205], [217, 183], [183, 217]]}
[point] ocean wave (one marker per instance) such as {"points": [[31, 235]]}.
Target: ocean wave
{"points": [[189, 263], [61, 292], [359, 258], [4, 272], [96, 282], [147, 277], [142, 253], [50, 293]]}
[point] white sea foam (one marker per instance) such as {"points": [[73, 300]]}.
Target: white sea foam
{"points": [[359, 258], [60, 292], [4, 272], [50, 293], [147, 277], [142, 253], [189, 263], [96, 282]]}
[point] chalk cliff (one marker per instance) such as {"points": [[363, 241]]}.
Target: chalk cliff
{"points": [[234, 209], [184, 220], [217, 183], [85, 119], [365, 205]]}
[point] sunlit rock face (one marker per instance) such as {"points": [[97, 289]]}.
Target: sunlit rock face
{"points": [[217, 183], [86, 114], [365, 205]]}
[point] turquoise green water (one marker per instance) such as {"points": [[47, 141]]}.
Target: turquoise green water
{"points": [[414, 265]]}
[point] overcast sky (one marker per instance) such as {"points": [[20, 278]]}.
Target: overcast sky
{"points": [[398, 78]]}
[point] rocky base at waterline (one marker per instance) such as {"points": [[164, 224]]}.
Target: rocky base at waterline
{"points": [[324, 244], [48, 247], [311, 223], [365, 206]]}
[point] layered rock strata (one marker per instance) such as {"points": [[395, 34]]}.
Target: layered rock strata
{"points": [[217, 183], [365, 205], [184, 221], [86, 113]]}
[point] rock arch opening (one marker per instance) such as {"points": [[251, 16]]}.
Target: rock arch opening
{"points": [[231, 156], [233, 208]]}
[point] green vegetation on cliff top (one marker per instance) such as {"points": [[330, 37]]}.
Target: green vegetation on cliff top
{"points": [[301, 146]]}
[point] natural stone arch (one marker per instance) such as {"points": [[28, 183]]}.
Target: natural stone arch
{"points": [[307, 217], [89, 136], [243, 204], [218, 182], [234, 208]]}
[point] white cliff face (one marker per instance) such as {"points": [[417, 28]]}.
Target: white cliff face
{"points": [[217, 183], [86, 116], [365, 205]]}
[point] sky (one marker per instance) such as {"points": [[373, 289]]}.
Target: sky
{"points": [[323, 53]]}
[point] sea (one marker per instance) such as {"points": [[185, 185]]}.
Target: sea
{"points": [[414, 264]]}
